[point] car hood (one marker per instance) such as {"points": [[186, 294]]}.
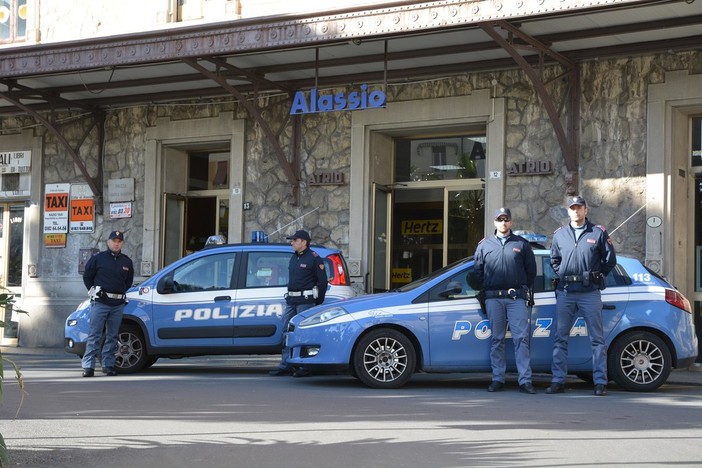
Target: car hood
{"points": [[359, 303]]}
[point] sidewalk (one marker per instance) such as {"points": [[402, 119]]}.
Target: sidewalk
{"points": [[690, 376]]}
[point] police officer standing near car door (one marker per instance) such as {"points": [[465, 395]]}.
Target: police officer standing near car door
{"points": [[581, 255], [307, 285], [107, 276], [506, 266]]}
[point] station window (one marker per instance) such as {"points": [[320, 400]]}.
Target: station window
{"points": [[208, 171], [13, 20], [440, 158], [190, 10], [696, 143]]}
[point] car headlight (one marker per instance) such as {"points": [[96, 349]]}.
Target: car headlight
{"points": [[72, 322], [324, 316]]}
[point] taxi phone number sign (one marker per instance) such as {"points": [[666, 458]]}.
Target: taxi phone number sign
{"points": [[82, 211], [56, 208]]}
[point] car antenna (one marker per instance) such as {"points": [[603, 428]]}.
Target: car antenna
{"points": [[627, 219], [292, 222]]}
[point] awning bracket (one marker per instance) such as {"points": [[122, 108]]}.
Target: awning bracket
{"points": [[568, 137], [288, 168]]}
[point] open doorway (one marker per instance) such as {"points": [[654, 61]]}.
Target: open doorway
{"points": [[12, 218], [195, 200], [433, 212]]}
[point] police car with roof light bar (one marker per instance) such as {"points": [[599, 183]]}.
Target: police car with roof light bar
{"points": [[224, 299], [436, 324]]}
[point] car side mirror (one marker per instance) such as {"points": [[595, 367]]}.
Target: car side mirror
{"points": [[166, 285], [451, 290]]}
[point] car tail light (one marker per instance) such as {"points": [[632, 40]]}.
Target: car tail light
{"points": [[673, 297], [339, 277]]}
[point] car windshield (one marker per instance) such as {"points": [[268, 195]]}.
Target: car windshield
{"points": [[431, 276]]}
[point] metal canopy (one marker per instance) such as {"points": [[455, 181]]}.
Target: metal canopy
{"points": [[398, 43], [119, 70]]}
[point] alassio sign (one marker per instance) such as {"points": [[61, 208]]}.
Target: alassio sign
{"points": [[304, 103]]}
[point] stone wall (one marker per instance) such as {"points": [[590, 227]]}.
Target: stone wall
{"points": [[612, 159], [612, 162]]}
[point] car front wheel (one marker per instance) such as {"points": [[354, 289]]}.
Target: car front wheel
{"points": [[639, 361], [131, 353], [384, 358]]}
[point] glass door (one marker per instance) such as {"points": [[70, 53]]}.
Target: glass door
{"points": [[432, 227], [417, 234], [465, 223], [696, 168], [173, 216], [380, 279], [11, 256]]}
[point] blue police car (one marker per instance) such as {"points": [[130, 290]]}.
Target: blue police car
{"points": [[436, 324], [224, 299]]}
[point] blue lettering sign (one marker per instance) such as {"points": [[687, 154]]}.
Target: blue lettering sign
{"points": [[354, 100]]}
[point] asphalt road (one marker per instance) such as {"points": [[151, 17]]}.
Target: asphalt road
{"points": [[228, 412]]}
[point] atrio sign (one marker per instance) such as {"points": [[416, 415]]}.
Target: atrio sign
{"points": [[314, 101]]}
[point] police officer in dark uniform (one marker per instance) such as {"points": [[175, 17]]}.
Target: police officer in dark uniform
{"points": [[107, 276], [307, 285], [506, 267], [581, 255]]}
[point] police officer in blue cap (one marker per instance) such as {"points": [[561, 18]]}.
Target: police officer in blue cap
{"points": [[307, 285], [581, 255], [107, 276], [506, 266]]}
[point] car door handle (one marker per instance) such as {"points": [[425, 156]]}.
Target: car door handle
{"points": [[223, 298], [609, 306]]}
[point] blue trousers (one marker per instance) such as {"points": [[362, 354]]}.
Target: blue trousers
{"points": [[107, 319], [569, 306], [291, 310], [500, 311]]}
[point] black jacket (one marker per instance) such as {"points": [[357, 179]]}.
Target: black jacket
{"points": [[305, 271], [592, 253], [114, 273], [500, 267]]}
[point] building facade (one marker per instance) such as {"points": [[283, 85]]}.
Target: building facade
{"points": [[401, 172]]}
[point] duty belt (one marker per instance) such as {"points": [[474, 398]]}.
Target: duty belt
{"points": [[113, 295], [309, 292], [510, 293], [573, 278]]}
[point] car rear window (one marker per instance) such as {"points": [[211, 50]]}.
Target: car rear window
{"points": [[546, 275], [267, 269]]}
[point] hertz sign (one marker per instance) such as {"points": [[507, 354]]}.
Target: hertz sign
{"points": [[422, 227]]}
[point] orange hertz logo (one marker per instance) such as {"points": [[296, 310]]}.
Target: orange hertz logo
{"points": [[422, 227]]}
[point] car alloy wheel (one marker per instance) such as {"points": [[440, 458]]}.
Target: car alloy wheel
{"points": [[384, 358], [131, 352], [639, 361]]}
